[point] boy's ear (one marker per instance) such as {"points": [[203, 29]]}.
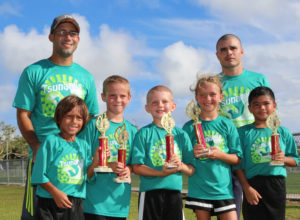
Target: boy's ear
{"points": [[173, 107], [249, 107], [147, 108], [51, 37], [103, 97]]}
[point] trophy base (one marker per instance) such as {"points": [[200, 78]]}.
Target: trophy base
{"points": [[203, 153], [122, 180], [103, 170], [276, 163], [171, 165]]}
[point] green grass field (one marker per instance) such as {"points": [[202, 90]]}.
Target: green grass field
{"points": [[12, 198]]}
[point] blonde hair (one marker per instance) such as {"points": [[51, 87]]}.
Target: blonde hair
{"points": [[114, 79], [206, 79], [159, 88]]}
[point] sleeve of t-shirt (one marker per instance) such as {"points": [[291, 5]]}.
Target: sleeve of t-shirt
{"points": [[187, 150], [26, 93], [39, 173], [242, 164], [234, 143], [132, 134], [91, 99], [138, 149], [265, 82], [291, 147]]}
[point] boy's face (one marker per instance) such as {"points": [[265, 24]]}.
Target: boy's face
{"points": [[71, 124], [261, 107], [209, 97], [117, 97], [160, 102]]}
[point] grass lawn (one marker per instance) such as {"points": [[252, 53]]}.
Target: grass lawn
{"points": [[12, 198]]}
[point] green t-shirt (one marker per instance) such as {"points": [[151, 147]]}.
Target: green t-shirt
{"points": [[43, 84], [104, 196], [149, 148], [212, 178], [62, 163], [236, 90], [256, 146]]}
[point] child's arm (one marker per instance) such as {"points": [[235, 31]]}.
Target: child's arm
{"points": [[119, 169], [143, 170], [252, 195], [60, 198], [288, 161], [216, 153], [187, 169]]}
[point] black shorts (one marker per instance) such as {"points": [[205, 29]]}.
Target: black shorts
{"points": [[89, 216], [160, 204], [273, 202], [48, 210], [214, 207]]}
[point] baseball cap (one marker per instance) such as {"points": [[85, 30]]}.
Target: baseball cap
{"points": [[65, 18]]}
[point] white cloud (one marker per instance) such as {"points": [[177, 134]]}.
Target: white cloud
{"points": [[267, 15], [180, 64]]}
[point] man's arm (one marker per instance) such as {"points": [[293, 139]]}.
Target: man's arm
{"points": [[27, 130]]}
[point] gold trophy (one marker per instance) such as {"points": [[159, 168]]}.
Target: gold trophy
{"points": [[193, 111], [168, 124], [121, 135], [273, 123], [102, 124]]}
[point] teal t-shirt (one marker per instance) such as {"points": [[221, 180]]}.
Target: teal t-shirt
{"points": [[43, 84], [256, 146], [62, 163], [104, 196], [236, 90], [149, 148], [212, 178]]}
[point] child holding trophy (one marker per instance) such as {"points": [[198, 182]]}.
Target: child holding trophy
{"points": [[109, 193], [161, 175], [61, 164], [216, 148], [267, 148]]}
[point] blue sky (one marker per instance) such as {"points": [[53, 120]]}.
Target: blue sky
{"points": [[157, 42]]}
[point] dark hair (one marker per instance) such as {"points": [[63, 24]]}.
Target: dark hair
{"points": [[259, 91], [227, 37], [66, 105]]}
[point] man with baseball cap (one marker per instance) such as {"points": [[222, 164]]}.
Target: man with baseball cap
{"points": [[42, 85]]}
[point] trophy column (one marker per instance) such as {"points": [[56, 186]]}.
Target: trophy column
{"points": [[193, 112], [168, 124], [121, 135], [102, 124], [273, 123]]}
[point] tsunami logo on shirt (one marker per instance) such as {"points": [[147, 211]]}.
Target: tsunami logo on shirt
{"points": [[158, 152], [260, 150], [213, 139], [235, 106], [70, 169], [55, 89]]}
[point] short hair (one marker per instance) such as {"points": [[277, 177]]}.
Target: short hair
{"points": [[206, 79], [159, 88], [114, 79], [227, 37], [259, 91], [66, 105]]}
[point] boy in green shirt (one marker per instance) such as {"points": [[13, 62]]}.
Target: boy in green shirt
{"points": [[160, 187], [264, 185], [107, 199]]}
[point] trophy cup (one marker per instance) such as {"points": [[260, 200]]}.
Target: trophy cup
{"points": [[168, 124], [273, 123], [193, 112], [121, 135], [102, 124]]}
